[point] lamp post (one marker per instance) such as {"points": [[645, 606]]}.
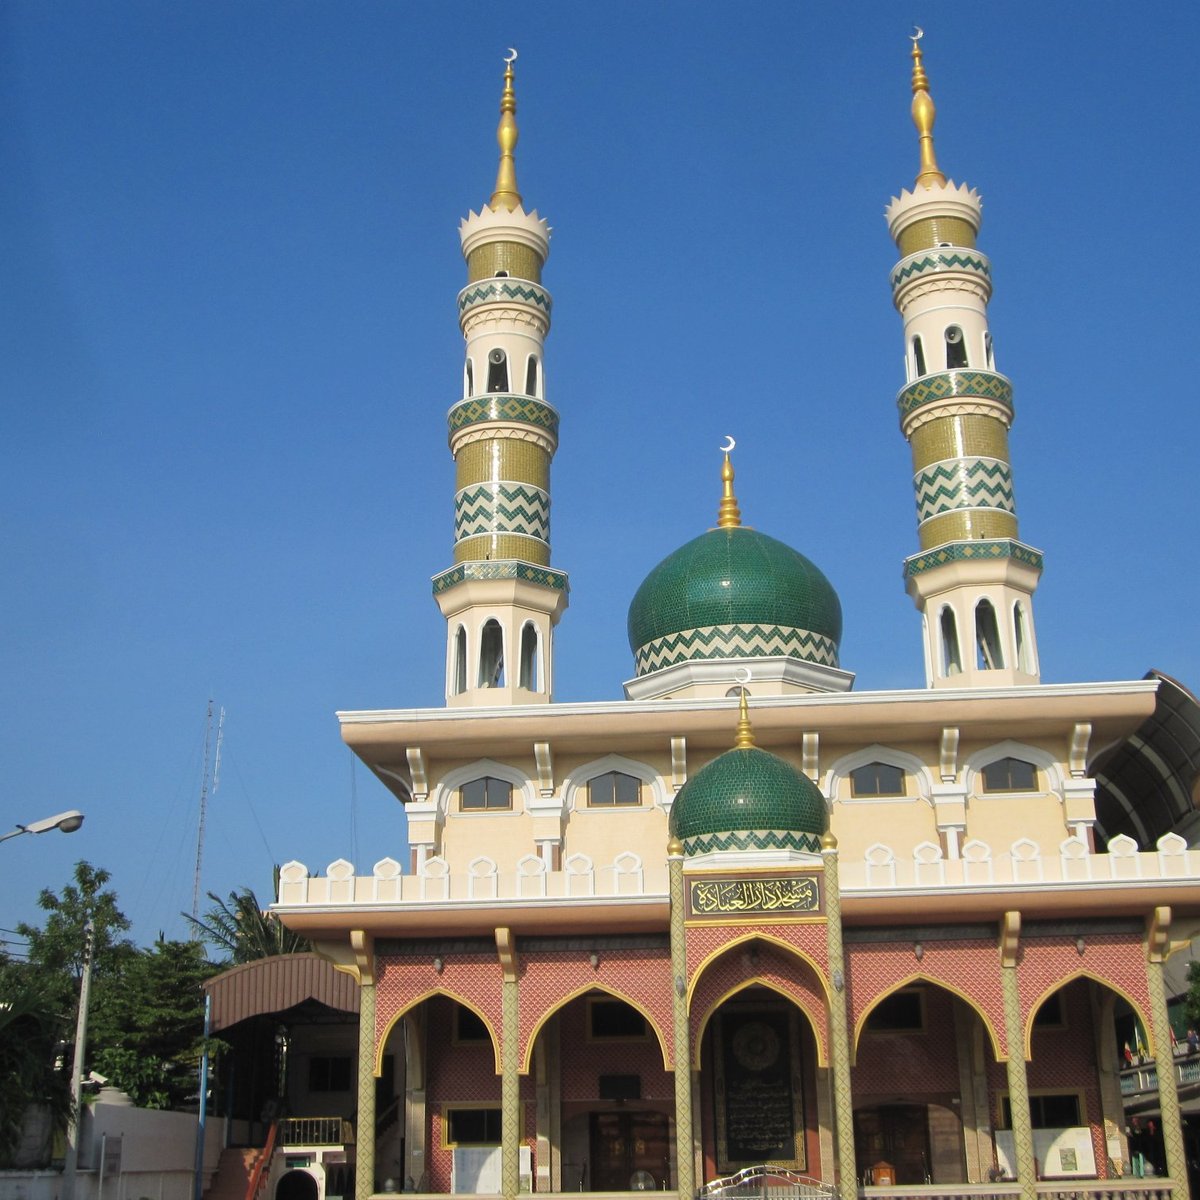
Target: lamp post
{"points": [[68, 822]]}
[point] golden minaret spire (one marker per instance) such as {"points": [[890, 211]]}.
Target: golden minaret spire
{"points": [[729, 516], [745, 731], [923, 115], [506, 194]]}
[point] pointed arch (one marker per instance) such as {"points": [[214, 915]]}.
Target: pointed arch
{"points": [[585, 990], [577, 779], [444, 790], [1093, 977], [1042, 759], [770, 986], [416, 1002], [912, 766], [934, 981]]}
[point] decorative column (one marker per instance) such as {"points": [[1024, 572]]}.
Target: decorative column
{"points": [[364, 1156], [1158, 947], [972, 580], [501, 599], [839, 1036], [510, 1068], [685, 1155], [1014, 1036]]}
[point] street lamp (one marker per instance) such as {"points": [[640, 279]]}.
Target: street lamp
{"points": [[68, 822]]}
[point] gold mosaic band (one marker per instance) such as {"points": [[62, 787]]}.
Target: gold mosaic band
{"points": [[496, 459], [494, 547], [520, 262], [935, 231]]}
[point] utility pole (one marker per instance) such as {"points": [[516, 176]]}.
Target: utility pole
{"points": [[71, 1163]]}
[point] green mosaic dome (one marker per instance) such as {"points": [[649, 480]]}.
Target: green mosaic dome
{"points": [[734, 593], [748, 799]]}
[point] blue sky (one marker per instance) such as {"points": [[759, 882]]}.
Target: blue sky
{"points": [[228, 342]]}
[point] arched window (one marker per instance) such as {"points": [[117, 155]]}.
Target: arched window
{"points": [[491, 655], [531, 376], [956, 348], [614, 790], [951, 655], [1009, 775], [989, 355], [918, 355], [877, 779], [529, 658], [501, 274], [460, 662], [736, 692], [497, 371], [487, 793], [990, 656], [468, 379]]}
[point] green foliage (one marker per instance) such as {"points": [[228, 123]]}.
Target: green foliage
{"points": [[145, 1017], [30, 1030], [1191, 1002], [154, 1052], [241, 928]]}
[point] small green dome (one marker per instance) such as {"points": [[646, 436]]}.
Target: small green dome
{"points": [[748, 799], [734, 593]]}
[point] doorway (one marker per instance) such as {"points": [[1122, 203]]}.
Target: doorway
{"points": [[629, 1151], [897, 1134]]}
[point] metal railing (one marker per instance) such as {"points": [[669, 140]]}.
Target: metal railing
{"points": [[1059, 1189], [315, 1131]]}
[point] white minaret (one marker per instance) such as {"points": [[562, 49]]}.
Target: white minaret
{"points": [[501, 599], [972, 580]]}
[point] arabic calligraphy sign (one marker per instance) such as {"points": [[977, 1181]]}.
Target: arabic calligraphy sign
{"points": [[754, 895]]}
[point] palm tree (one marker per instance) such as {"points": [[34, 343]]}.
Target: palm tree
{"points": [[244, 930]]}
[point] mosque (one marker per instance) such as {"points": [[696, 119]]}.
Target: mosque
{"points": [[747, 915]]}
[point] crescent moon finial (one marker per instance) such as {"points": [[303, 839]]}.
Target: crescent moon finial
{"points": [[728, 449], [512, 56], [742, 675], [917, 34]]}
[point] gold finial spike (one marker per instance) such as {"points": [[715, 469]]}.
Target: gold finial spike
{"points": [[506, 194], [745, 731], [923, 115], [729, 516]]}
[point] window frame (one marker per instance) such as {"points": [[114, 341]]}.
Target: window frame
{"points": [[608, 1038], [485, 807], [855, 794], [988, 790], [615, 803], [451, 1108], [918, 1030]]}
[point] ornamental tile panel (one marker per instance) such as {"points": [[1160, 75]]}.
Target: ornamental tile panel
{"points": [[986, 551], [526, 572], [503, 291], [502, 508], [735, 641], [944, 385], [502, 406], [963, 483], [934, 261]]}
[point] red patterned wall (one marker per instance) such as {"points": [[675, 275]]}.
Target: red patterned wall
{"points": [[776, 967], [641, 976], [970, 967]]}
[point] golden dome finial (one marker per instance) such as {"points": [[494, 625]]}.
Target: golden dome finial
{"points": [[506, 194], [729, 516], [745, 731], [923, 115]]}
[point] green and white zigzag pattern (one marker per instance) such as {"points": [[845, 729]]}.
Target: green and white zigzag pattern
{"points": [[958, 260], [735, 641], [752, 839], [503, 290], [963, 483], [502, 508]]}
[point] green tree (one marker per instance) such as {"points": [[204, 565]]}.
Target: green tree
{"points": [[242, 929], [30, 1032], [155, 1054]]}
